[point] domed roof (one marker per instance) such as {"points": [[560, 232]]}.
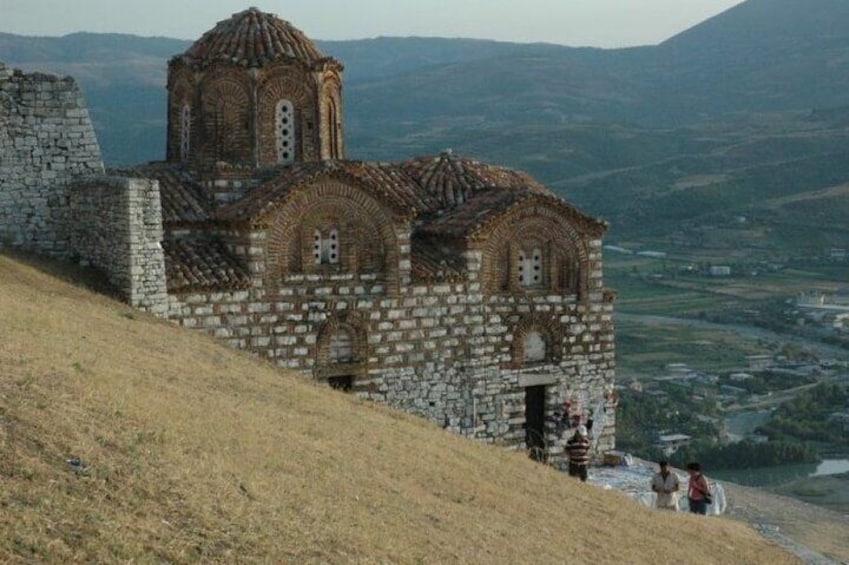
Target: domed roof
{"points": [[252, 39], [453, 180]]}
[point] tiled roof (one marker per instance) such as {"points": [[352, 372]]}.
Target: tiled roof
{"points": [[486, 206], [386, 182], [202, 265], [451, 180], [432, 261], [183, 199], [474, 213], [252, 39]]}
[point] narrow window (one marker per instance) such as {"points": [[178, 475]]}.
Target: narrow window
{"points": [[316, 247], [185, 131], [536, 267], [285, 132], [332, 252], [325, 247], [522, 271], [333, 129]]}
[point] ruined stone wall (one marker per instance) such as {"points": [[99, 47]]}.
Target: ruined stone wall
{"points": [[46, 141], [442, 351], [116, 225]]}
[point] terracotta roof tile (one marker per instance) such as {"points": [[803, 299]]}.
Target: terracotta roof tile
{"points": [[474, 213], [452, 180], [386, 182], [434, 262], [202, 265], [487, 206], [252, 38], [183, 199]]}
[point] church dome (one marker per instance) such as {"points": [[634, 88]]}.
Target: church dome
{"points": [[252, 38]]}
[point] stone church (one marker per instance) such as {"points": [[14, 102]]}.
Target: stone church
{"points": [[463, 292]]}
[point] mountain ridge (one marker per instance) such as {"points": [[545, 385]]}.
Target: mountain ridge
{"points": [[661, 113]]}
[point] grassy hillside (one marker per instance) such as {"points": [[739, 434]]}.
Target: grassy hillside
{"points": [[192, 452]]}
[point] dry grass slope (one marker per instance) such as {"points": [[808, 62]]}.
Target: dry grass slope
{"points": [[195, 453]]}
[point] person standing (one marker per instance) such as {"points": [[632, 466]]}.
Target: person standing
{"points": [[698, 491], [579, 453], [665, 484]]}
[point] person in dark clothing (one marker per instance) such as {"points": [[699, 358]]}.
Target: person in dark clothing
{"points": [[579, 453]]}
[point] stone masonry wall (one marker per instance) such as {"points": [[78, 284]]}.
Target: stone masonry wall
{"points": [[46, 140], [116, 225], [442, 351]]}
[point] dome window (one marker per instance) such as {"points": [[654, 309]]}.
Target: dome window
{"points": [[285, 132]]}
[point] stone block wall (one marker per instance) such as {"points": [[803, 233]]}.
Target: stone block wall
{"points": [[46, 141], [444, 351], [116, 225]]}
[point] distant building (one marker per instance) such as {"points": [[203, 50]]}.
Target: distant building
{"points": [[673, 442], [720, 271], [652, 254], [740, 377], [759, 362]]}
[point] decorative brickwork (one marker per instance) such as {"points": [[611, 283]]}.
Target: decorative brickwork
{"points": [[367, 242], [233, 80]]}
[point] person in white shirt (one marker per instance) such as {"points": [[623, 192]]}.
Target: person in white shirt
{"points": [[665, 484]]}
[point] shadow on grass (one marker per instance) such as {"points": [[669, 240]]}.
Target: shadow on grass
{"points": [[90, 278]]}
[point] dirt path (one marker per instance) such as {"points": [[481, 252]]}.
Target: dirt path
{"points": [[785, 521]]}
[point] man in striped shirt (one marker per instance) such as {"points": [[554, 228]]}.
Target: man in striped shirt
{"points": [[579, 453]]}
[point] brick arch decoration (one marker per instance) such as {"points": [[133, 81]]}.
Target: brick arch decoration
{"points": [[294, 84], [226, 119], [181, 91], [550, 329], [361, 248], [373, 229], [331, 128], [562, 242], [355, 325]]}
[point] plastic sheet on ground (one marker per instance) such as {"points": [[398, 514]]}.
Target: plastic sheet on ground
{"points": [[635, 481]]}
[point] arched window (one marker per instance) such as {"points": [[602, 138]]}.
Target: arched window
{"points": [[285, 132], [530, 267], [534, 347], [185, 131]]}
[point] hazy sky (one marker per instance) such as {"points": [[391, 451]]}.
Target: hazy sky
{"points": [[605, 23]]}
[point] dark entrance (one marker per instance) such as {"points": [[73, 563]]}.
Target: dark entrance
{"points": [[344, 383], [535, 422]]}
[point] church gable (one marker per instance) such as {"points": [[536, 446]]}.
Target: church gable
{"points": [[328, 226]]}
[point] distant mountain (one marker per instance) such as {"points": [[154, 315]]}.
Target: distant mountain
{"points": [[595, 124], [761, 55]]}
